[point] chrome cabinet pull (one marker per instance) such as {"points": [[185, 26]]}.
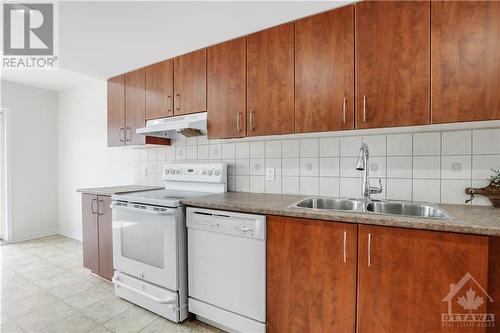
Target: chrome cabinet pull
{"points": [[128, 137], [252, 114], [122, 131], [238, 116], [344, 109], [345, 250], [364, 109], [94, 200], [177, 102], [169, 103], [369, 250], [100, 211]]}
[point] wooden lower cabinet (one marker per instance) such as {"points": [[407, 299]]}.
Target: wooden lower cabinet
{"points": [[311, 275], [404, 277], [97, 235]]}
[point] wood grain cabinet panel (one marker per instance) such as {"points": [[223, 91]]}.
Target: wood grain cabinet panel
{"points": [[311, 275], [392, 63], [90, 232], [160, 90], [105, 230], [227, 89], [324, 71], [116, 111], [404, 275], [135, 106], [465, 61], [190, 83], [270, 81]]}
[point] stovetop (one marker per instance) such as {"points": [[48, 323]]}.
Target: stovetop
{"points": [[165, 197]]}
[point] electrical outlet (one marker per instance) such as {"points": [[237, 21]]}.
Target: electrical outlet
{"points": [[270, 174]]}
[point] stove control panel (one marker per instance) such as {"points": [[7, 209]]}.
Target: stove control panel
{"points": [[196, 172]]}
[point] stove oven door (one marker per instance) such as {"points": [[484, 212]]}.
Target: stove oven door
{"points": [[145, 242]]}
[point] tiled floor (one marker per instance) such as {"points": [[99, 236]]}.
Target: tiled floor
{"points": [[44, 288]]}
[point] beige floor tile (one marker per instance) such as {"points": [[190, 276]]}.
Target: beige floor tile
{"points": [[85, 274], [66, 260], [46, 251], [131, 321], [88, 297], [69, 289], [106, 284], [18, 259], [100, 329], [38, 320], [48, 271], [18, 292], [6, 274], [77, 323], [106, 309], [55, 280], [200, 327], [39, 242], [39, 264], [29, 304], [11, 327], [162, 325]]}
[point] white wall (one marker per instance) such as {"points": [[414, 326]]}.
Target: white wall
{"points": [[33, 114], [84, 160]]}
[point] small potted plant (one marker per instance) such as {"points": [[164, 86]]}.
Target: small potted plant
{"points": [[492, 191]]}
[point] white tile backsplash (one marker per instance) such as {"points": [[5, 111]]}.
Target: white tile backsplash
{"points": [[425, 166]]}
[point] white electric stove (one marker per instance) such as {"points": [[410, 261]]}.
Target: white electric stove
{"points": [[149, 238]]}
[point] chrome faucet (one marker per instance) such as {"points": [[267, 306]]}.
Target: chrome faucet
{"points": [[362, 165]]}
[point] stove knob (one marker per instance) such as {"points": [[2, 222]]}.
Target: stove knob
{"points": [[217, 172], [167, 171], [178, 171], [204, 172], [172, 171], [210, 172]]}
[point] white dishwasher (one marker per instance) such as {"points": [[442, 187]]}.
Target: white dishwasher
{"points": [[227, 269]]}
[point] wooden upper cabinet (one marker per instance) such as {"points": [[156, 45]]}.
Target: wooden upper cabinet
{"points": [[311, 275], [405, 275], [392, 63], [270, 80], [116, 111], [190, 83], [135, 105], [324, 71], [160, 90], [226, 78], [465, 61]]}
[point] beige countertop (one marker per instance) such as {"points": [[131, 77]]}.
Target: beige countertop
{"points": [[467, 219], [112, 190]]}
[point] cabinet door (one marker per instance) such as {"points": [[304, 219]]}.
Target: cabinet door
{"points": [[116, 111], [406, 275], [90, 233], [105, 237], [227, 89], [392, 63], [135, 104], [311, 275], [160, 90], [190, 83], [270, 77], [465, 61], [324, 71]]}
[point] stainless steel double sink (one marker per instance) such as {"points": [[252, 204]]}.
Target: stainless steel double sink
{"points": [[398, 208]]}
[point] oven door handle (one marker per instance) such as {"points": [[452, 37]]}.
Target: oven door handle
{"points": [[161, 212], [172, 300]]}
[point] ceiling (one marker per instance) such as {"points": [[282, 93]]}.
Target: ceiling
{"points": [[103, 39]]}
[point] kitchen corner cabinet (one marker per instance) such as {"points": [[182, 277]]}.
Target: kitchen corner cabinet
{"points": [[116, 111], [270, 81], [465, 61], [190, 83], [392, 63], [311, 275], [160, 90], [405, 274], [226, 76], [97, 235], [324, 71]]}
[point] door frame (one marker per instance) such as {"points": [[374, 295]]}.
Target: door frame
{"points": [[6, 174]]}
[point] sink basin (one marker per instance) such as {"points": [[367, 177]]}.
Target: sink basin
{"points": [[406, 209], [331, 203], [401, 208]]}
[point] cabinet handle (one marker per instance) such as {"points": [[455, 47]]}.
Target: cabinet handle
{"points": [[122, 131], [177, 102], [345, 245], [252, 114], [94, 200], [364, 109], [99, 205], [169, 103], [128, 137], [369, 250], [238, 116], [344, 102]]}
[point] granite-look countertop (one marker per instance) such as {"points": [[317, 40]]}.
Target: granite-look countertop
{"points": [[467, 219], [112, 190]]}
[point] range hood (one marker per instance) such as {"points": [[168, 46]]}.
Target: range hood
{"points": [[175, 127]]}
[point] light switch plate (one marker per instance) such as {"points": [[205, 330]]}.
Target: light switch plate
{"points": [[269, 173]]}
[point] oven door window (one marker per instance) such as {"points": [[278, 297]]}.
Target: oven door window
{"points": [[145, 245]]}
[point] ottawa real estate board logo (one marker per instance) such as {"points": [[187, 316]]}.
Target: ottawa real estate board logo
{"points": [[28, 35]]}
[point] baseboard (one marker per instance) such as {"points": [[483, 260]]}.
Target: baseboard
{"points": [[34, 235], [76, 236]]}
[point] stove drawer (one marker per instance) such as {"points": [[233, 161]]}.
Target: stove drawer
{"points": [[154, 298]]}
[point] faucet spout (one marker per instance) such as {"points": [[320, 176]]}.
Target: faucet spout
{"points": [[363, 165]]}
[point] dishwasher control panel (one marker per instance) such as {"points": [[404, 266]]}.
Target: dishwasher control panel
{"points": [[231, 223]]}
